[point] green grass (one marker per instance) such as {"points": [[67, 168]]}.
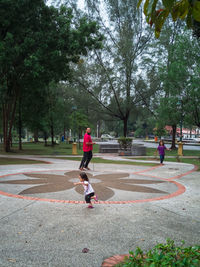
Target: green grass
{"points": [[186, 153], [186, 159], [40, 149], [10, 161], [66, 149], [100, 160], [151, 151]]}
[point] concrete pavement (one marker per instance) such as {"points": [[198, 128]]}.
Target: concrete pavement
{"points": [[50, 225]]}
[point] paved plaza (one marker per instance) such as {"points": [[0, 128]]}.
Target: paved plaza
{"points": [[44, 220]]}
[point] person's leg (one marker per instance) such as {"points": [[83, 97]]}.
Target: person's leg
{"points": [[89, 157], [95, 197], [161, 158], [83, 160], [88, 200]]}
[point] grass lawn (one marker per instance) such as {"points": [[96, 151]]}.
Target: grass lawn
{"points": [[151, 152], [40, 149], [10, 161], [100, 160], [186, 153], [66, 149]]}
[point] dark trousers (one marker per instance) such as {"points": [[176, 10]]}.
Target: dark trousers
{"points": [[87, 156], [162, 158]]}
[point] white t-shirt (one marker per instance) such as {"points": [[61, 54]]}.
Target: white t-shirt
{"points": [[87, 188]]}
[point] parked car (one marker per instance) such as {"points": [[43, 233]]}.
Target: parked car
{"points": [[107, 137]]}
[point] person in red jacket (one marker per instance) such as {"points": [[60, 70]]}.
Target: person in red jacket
{"points": [[87, 150]]}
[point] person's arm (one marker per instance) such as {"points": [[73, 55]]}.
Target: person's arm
{"points": [[89, 141], [169, 149], [78, 183]]}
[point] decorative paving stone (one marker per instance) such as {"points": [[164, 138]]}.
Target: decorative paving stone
{"points": [[111, 187]]}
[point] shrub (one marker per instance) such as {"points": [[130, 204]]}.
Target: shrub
{"points": [[125, 143], [164, 255]]}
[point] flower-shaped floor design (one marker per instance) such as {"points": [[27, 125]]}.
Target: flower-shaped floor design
{"points": [[109, 186]]}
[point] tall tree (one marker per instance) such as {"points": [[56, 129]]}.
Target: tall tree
{"points": [[111, 75], [176, 81], [37, 43]]}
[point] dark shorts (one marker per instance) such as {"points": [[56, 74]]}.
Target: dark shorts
{"points": [[88, 197]]}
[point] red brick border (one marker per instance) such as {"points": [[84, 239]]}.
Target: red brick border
{"points": [[181, 190], [112, 261]]}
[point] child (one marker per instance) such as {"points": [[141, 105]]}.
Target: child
{"points": [[88, 190], [161, 149]]}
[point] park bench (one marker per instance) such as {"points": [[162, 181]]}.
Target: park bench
{"points": [[108, 148]]}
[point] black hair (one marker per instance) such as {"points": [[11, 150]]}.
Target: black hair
{"points": [[162, 142], [83, 175]]}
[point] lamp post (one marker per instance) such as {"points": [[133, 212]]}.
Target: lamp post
{"points": [[74, 145], [74, 108], [180, 145]]}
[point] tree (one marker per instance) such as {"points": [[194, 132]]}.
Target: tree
{"points": [[111, 75], [192, 92], [188, 10], [177, 80], [36, 45]]}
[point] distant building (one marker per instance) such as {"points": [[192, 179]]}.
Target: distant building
{"points": [[187, 133]]}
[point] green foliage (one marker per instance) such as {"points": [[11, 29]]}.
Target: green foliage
{"points": [[79, 122], [109, 74], [125, 142], [139, 133], [37, 45], [165, 255], [159, 131], [183, 9]]}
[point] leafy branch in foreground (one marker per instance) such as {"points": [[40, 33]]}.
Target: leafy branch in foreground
{"points": [[164, 255], [188, 10]]}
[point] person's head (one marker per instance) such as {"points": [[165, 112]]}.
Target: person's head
{"points": [[88, 130], [83, 177], [161, 143]]}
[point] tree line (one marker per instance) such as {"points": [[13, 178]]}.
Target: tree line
{"points": [[63, 68]]}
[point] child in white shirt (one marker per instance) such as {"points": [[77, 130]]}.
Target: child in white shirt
{"points": [[88, 189]]}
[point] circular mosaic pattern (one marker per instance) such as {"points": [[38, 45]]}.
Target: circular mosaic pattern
{"points": [[111, 187]]}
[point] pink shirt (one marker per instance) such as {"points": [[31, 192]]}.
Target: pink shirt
{"points": [[87, 139]]}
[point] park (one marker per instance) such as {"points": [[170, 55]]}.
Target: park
{"points": [[99, 133]]}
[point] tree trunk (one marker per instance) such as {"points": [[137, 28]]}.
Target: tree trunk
{"points": [[20, 126], [35, 135], [8, 119], [64, 133], [173, 146], [45, 139], [125, 121], [52, 135]]}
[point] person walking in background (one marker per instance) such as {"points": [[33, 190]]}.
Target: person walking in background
{"points": [[161, 150], [87, 150], [88, 189]]}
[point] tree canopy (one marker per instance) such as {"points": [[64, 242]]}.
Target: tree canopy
{"points": [[37, 44], [156, 13]]}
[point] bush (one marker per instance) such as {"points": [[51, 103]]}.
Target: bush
{"points": [[164, 255], [125, 143]]}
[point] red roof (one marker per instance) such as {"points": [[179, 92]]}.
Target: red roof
{"points": [[184, 130]]}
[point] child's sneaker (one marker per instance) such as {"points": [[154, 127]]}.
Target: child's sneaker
{"points": [[90, 207]]}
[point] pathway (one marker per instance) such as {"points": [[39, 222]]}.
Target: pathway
{"points": [[44, 221]]}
